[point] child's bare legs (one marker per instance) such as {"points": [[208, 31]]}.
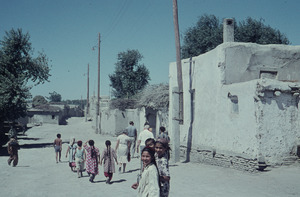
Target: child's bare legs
{"points": [[59, 156], [79, 173], [56, 155], [120, 167], [124, 166]]}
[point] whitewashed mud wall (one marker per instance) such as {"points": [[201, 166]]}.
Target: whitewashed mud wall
{"points": [[278, 118], [113, 122], [237, 117], [44, 119]]}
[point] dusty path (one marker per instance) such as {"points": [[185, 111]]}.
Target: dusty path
{"points": [[38, 175]]}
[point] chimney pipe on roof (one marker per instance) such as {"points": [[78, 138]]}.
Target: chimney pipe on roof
{"points": [[228, 30]]}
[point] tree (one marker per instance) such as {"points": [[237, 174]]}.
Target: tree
{"points": [[208, 34], [38, 101], [256, 31], [54, 97], [205, 36], [17, 67], [130, 76], [154, 96]]}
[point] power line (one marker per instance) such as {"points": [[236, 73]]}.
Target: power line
{"points": [[116, 20]]}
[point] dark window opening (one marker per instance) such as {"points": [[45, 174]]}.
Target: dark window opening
{"points": [[268, 74]]}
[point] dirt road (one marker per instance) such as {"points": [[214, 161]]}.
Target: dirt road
{"points": [[38, 175]]}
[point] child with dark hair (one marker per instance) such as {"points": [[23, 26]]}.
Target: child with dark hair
{"points": [[163, 134], [71, 150], [162, 159], [80, 157], [92, 159], [108, 155], [12, 149], [149, 182], [150, 142], [58, 147]]}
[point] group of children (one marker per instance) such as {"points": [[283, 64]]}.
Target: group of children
{"points": [[87, 154], [154, 179]]}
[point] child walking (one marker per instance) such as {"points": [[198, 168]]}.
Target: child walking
{"points": [[92, 159], [79, 158], [71, 150], [57, 147], [108, 156], [162, 160]]}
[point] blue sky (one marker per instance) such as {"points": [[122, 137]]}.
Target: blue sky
{"points": [[67, 31]]}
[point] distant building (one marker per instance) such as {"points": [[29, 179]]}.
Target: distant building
{"points": [[49, 114], [53, 114]]}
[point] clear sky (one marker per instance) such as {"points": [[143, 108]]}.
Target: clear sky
{"points": [[67, 31]]}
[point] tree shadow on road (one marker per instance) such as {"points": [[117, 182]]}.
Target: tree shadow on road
{"points": [[28, 138], [37, 145]]}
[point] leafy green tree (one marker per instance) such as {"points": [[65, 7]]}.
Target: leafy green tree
{"points": [[256, 31], [17, 67], [130, 76], [54, 97], [205, 36], [208, 34], [38, 101], [13, 94]]}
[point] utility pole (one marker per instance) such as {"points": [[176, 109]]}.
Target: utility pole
{"points": [[177, 97], [178, 60], [98, 127], [88, 93]]}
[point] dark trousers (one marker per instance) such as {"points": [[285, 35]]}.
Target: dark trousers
{"points": [[13, 158]]}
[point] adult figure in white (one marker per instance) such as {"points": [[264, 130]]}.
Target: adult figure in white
{"points": [[143, 136], [132, 134], [123, 148]]}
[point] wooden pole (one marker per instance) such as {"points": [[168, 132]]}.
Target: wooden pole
{"points": [[177, 97], [178, 61], [98, 128], [88, 93]]}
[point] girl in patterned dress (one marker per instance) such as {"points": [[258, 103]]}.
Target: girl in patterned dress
{"points": [[108, 155], [92, 159], [162, 161]]}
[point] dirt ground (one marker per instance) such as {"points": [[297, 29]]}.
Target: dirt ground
{"points": [[38, 175]]}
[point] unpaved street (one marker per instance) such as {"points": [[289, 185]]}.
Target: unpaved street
{"points": [[38, 175]]}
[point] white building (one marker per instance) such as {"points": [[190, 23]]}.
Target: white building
{"points": [[245, 99]]}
